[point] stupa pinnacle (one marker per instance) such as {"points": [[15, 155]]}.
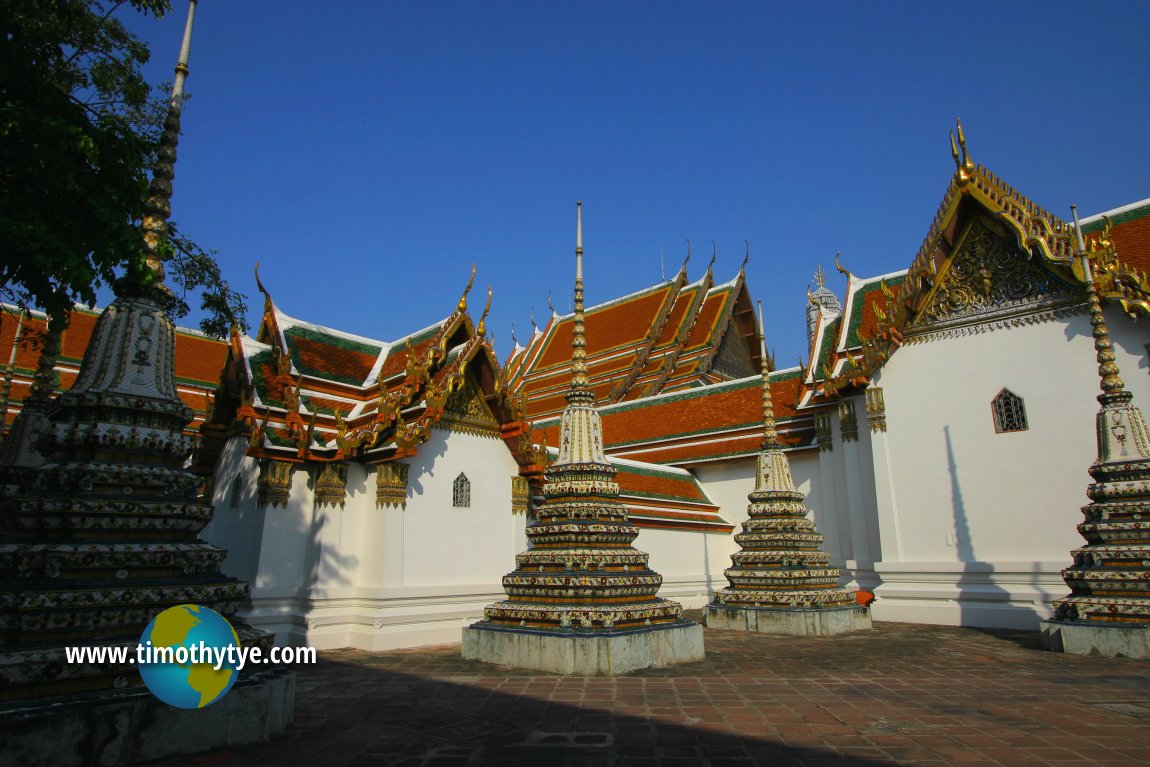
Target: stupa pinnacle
{"points": [[780, 582], [1108, 609], [582, 598]]}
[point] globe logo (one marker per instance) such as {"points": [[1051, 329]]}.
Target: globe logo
{"points": [[184, 656]]}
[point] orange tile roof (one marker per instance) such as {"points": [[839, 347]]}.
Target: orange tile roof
{"points": [[608, 326], [1130, 234], [698, 411], [709, 316], [684, 303], [636, 482]]}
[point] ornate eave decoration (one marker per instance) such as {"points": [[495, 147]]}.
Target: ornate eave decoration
{"points": [[1035, 231], [331, 484], [273, 488], [466, 412], [520, 494], [875, 409], [391, 484], [848, 422], [823, 432]]}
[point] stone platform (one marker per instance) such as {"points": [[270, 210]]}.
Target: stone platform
{"points": [[123, 729], [587, 654], [1117, 641], [798, 622]]}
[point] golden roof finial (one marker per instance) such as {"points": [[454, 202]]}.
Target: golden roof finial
{"points": [[842, 269], [687, 260], [820, 276], [746, 257], [269, 305], [481, 328], [714, 255], [963, 165], [462, 306]]}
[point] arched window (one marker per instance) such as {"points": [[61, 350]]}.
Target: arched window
{"points": [[461, 492], [1009, 412]]}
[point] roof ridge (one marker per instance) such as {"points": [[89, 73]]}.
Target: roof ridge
{"points": [[1116, 211], [316, 327]]}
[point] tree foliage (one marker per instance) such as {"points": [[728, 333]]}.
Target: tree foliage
{"points": [[78, 131]]}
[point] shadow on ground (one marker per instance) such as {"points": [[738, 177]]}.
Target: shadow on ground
{"points": [[899, 694]]}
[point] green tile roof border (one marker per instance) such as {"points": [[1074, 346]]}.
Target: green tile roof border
{"points": [[858, 304], [329, 340]]}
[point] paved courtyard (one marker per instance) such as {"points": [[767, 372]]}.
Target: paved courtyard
{"points": [[899, 694]]}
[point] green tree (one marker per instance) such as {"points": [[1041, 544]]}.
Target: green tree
{"points": [[78, 132]]}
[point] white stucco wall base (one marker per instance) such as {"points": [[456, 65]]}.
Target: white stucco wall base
{"points": [[992, 594]]}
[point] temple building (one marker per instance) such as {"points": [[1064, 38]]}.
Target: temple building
{"points": [[940, 431]]}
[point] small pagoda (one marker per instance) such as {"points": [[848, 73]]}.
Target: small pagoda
{"points": [[1108, 609], [780, 581], [103, 535], [582, 599]]}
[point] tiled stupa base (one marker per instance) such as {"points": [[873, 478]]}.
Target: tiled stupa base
{"points": [[123, 729], [585, 654], [1117, 641], [797, 622]]}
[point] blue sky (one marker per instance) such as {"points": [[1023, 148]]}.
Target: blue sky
{"points": [[366, 153]]}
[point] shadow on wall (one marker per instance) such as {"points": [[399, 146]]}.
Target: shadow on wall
{"points": [[429, 453], [981, 601], [323, 562]]}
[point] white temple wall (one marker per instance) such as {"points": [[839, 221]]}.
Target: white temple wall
{"points": [[727, 484], [237, 522], [843, 504], [460, 545], [977, 524], [368, 577], [691, 562]]}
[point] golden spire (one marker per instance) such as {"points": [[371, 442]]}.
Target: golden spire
{"points": [[770, 433], [578, 342], [1111, 382], [820, 276]]}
